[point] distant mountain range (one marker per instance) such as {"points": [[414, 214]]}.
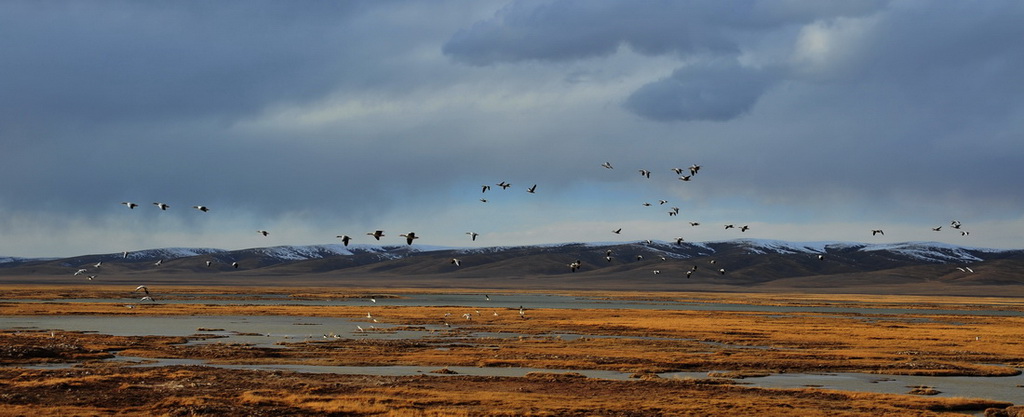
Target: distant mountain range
{"points": [[748, 264]]}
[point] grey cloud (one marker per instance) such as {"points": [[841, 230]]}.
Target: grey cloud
{"points": [[716, 90], [574, 29]]}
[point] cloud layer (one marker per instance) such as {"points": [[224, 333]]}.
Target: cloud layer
{"points": [[811, 119]]}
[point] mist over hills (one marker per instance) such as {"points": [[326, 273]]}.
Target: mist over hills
{"points": [[749, 265]]}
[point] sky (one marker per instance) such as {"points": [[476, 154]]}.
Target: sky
{"points": [[811, 121]]}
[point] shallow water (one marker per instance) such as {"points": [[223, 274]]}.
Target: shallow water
{"points": [[528, 301], [273, 331]]}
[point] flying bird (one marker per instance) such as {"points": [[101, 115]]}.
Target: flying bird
{"points": [[235, 265], [344, 239], [937, 229], [955, 224], [98, 264], [263, 232], [575, 265], [678, 171], [617, 231], [964, 233], [483, 200], [504, 185], [484, 188], [409, 237], [456, 262], [729, 226], [877, 232], [162, 206], [130, 204], [80, 271], [532, 190], [679, 241], [377, 234], [694, 168], [158, 263], [645, 173], [694, 224], [203, 209], [821, 256], [208, 263], [608, 165], [684, 178], [142, 288], [472, 235], [744, 228]]}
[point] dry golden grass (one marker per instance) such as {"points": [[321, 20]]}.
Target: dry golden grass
{"points": [[642, 342]]}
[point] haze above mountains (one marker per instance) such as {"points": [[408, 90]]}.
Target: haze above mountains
{"points": [[750, 265]]}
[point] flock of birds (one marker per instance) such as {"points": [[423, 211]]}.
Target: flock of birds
{"points": [[682, 174]]}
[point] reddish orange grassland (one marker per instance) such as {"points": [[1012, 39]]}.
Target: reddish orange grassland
{"points": [[647, 342]]}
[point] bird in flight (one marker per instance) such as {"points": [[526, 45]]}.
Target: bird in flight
{"points": [[617, 231], [744, 228], [203, 209], [377, 234], [456, 262], [533, 189], [877, 232], [694, 168], [684, 178], [694, 224], [485, 187], [504, 185], [345, 239], [937, 229], [679, 241], [472, 235], [263, 232], [129, 204], [645, 173], [729, 226], [575, 265], [608, 165], [409, 237], [162, 206]]}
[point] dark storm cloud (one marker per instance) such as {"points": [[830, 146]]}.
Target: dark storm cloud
{"points": [[718, 90], [82, 63]]}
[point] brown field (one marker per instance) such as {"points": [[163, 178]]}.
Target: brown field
{"points": [[647, 342]]}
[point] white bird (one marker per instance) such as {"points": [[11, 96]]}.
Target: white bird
{"points": [[91, 277], [821, 256], [98, 264], [130, 204], [162, 206], [142, 288], [208, 263], [688, 273], [472, 235], [456, 262], [345, 239], [147, 298], [657, 271], [158, 263], [263, 232], [235, 265], [81, 271], [607, 165], [377, 234], [124, 254], [203, 209], [409, 237], [721, 271]]}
